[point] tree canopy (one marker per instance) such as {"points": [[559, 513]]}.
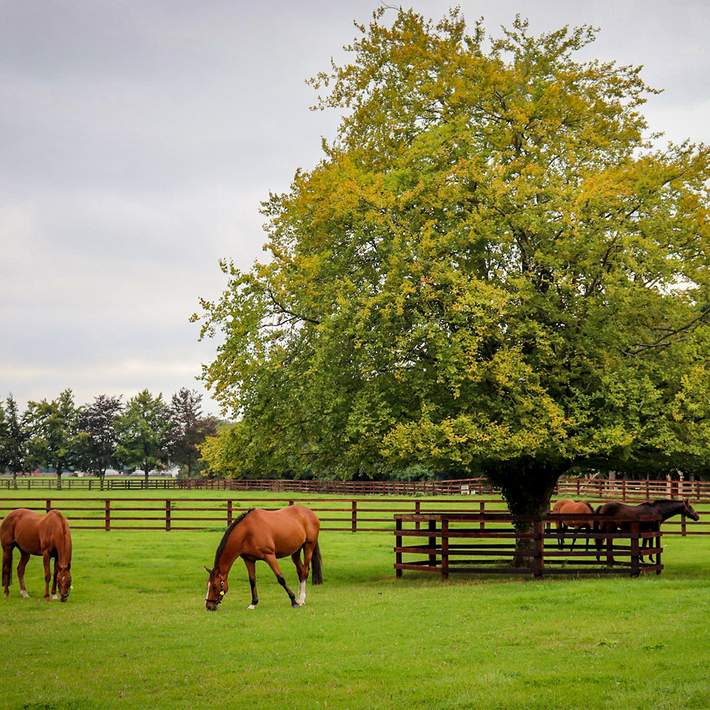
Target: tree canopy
{"points": [[493, 268]]}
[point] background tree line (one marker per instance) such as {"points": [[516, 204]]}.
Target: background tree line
{"points": [[146, 432]]}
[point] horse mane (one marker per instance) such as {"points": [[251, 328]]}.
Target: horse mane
{"points": [[225, 537]]}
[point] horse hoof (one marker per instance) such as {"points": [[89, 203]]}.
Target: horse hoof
{"points": [[55, 598], [252, 606], [24, 594], [295, 605]]}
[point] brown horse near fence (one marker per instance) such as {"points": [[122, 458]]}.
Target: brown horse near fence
{"points": [[572, 507], [34, 534], [267, 535], [663, 508]]}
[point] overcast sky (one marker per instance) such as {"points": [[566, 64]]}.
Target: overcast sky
{"points": [[138, 138]]}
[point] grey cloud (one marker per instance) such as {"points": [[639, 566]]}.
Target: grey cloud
{"points": [[137, 140]]}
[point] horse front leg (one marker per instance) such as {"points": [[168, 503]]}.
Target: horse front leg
{"points": [[24, 559], [6, 568], [46, 558], [560, 535], [251, 571], [274, 564], [54, 578]]}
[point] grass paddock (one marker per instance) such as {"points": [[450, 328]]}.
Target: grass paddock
{"points": [[135, 633]]}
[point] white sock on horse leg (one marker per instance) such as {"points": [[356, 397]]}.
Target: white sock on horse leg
{"points": [[302, 592], [23, 593], [252, 606]]}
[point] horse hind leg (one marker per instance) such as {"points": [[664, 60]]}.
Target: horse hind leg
{"points": [[274, 564], [6, 568], [24, 559], [302, 569]]}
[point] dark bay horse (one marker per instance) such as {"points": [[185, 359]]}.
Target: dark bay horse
{"points": [[570, 507], [34, 534], [663, 508], [267, 535]]}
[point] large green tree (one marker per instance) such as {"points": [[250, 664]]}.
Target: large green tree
{"points": [[189, 429], [491, 269], [144, 433], [54, 433], [14, 436], [98, 434]]}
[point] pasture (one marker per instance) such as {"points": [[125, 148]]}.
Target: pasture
{"points": [[135, 633]]}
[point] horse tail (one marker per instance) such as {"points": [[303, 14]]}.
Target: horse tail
{"points": [[316, 566]]}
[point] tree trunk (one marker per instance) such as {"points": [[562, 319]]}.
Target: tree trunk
{"points": [[59, 478], [527, 486], [145, 473], [14, 480]]}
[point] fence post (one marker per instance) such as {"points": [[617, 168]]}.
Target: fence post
{"points": [[482, 512], [107, 514], [230, 512], [445, 548], [683, 528], [432, 542], [353, 516], [398, 547], [578, 482], [538, 548], [635, 549], [623, 489], [417, 511], [290, 502], [648, 489], [48, 504], [168, 514]]}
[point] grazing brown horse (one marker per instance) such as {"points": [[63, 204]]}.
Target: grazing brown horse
{"points": [[663, 508], [267, 535], [571, 507], [34, 534]]}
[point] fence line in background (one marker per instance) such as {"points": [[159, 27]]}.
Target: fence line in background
{"points": [[619, 489], [365, 514]]}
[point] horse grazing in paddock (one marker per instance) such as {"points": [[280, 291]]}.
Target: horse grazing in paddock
{"points": [[267, 535], [571, 507], [663, 508], [34, 534]]}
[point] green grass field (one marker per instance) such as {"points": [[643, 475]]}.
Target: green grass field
{"points": [[135, 633]]}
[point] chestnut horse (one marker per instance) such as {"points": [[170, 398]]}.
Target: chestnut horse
{"points": [[663, 508], [267, 535], [570, 507], [34, 534]]}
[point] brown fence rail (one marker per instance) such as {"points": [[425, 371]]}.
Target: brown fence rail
{"points": [[367, 514], [598, 489], [447, 543]]}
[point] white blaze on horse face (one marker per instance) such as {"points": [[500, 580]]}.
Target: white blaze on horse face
{"points": [[209, 586]]}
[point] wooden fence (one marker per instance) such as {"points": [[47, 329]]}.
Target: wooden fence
{"points": [[367, 514], [448, 543], [594, 488]]}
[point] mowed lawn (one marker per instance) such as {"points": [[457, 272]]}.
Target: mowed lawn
{"points": [[135, 633]]}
